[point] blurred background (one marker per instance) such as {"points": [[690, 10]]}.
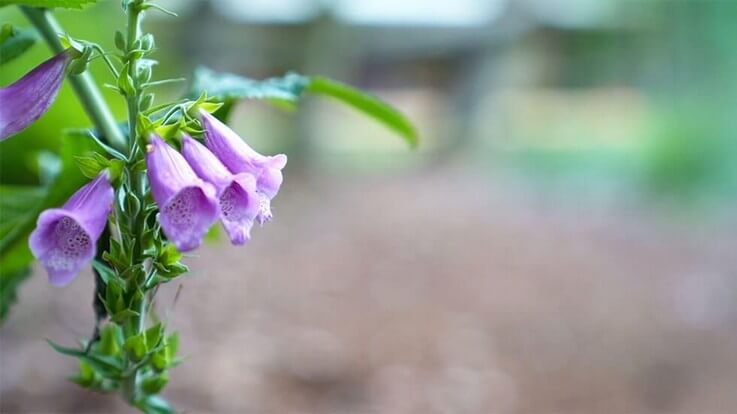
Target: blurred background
{"points": [[562, 241]]}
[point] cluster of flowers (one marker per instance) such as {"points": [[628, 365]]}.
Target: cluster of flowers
{"points": [[224, 179]]}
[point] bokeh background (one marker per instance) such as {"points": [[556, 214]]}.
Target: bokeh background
{"points": [[563, 241]]}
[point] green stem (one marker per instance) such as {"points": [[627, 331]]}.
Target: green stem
{"points": [[137, 323], [134, 32], [83, 84]]}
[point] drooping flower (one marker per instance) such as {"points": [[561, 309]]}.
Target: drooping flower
{"points": [[239, 157], [188, 205], [24, 101], [65, 238], [239, 200]]}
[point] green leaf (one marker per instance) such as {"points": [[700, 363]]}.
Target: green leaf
{"points": [[16, 204], [106, 365], [368, 104], [14, 42], [67, 4], [226, 86], [290, 88], [90, 166]]}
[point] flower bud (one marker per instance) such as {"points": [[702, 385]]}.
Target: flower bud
{"points": [[24, 101]]}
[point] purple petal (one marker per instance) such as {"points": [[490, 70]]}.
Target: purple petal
{"points": [[24, 101], [264, 210], [187, 216], [188, 205], [239, 200], [93, 203], [205, 164], [239, 204], [269, 182], [64, 239], [240, 158]]}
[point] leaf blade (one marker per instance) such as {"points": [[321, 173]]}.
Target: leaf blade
{"points": [[368, 104]]}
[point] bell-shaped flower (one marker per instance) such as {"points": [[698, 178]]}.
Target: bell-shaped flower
{"points": [[65, 238], [239, 200], [188, 206], [239, 157], [24, 101]]}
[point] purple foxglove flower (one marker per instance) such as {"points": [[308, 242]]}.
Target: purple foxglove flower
{"points": [[65, 239], [24, 101], [239, 157], [188, 206], [239, 200]]}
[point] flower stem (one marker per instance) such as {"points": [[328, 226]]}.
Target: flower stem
{"points": [[84, 85], [137, 324]]}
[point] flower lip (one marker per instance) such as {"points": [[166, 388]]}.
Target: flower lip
{"points": [[187, 216], [24, 101]]}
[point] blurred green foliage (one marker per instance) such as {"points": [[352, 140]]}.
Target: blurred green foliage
{"points": [[19, 162]]}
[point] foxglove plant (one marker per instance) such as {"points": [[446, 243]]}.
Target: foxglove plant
{"points": [[157, 186]]}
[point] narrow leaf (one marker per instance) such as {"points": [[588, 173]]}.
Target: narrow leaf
{"points": [[368, 104]]}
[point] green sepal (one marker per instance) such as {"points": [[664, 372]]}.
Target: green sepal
{"points": [[124, 315], [166, 356], [169, 255], [91, 165], [120, 40], [125, 82], [135, 346], [114, 301], [171, 271], [87, 378], [111, 339], [154, 336], [146, 101], [155, 383]]}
